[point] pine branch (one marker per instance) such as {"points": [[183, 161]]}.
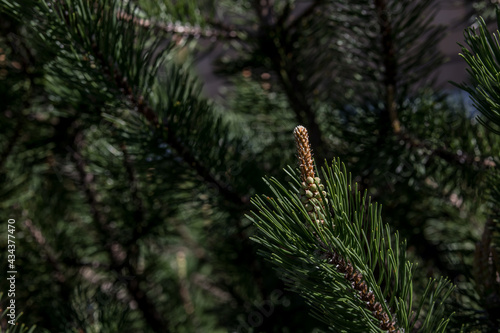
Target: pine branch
{"points": [[349, 267], [132, 71], [143, 108], [316, 204], [483, 60], [221, 32], [114, 249]]}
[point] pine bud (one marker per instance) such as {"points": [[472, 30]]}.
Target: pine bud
{"points": [[310, 180], [304, 153], [309, 194]]}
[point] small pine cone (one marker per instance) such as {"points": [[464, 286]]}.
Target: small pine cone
{"points": [[370, 298], [377, 309], [349, 271], [357, 277]]}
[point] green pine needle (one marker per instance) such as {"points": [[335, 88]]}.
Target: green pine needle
{"points": [[483, 58], [353, 230]]}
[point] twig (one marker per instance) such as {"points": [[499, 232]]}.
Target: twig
{"points": [[183, 30]]}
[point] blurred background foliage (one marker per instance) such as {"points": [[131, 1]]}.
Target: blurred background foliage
{"points": [[130, 185]]}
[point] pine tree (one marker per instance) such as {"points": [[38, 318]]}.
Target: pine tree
{"points": [[137, 199]]}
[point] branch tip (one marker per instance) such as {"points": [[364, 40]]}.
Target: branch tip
{"points": [[304, 153], [310, 193]]}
